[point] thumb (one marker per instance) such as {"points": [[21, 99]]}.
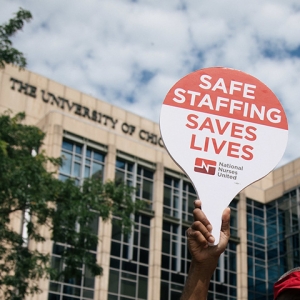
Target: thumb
{"points": [[225, 228]]}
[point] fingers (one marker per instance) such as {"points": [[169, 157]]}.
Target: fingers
{"points": [[201, 228], [197, 236], [197, 203], [203, 232], [202, 225], [199, 215]]}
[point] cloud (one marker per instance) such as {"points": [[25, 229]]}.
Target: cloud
{"points": [[130, 53]]}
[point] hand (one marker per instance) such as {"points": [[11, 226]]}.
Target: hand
{"points": [[199, 236], [204, 257]]}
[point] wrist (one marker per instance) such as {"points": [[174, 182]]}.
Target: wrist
{"points": [[197, 284], [205, 268]]}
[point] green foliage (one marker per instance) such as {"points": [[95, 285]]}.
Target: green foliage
{"points": [[66, 209], [8, 54]]}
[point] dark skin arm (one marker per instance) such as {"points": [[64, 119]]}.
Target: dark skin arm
{"points": [[204, 257]]}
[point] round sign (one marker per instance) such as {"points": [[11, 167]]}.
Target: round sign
{"points": [[225, 129]]}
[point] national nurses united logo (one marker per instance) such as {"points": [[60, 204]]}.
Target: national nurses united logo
{"points": [[205, 166]]}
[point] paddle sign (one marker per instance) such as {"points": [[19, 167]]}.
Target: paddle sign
{"points": [[225, 129]]}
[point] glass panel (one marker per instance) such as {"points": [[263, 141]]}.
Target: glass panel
{"points": [[88, 153], [114, 263], [116, 233], [165, 262], [94, 224], [78, 149], [77, 170], [55, 287], [66, 164], [130, 167], [63, 177], [143, 270], [144, 256], [128, 288], [139, 170], [145, 220], [97, 170], [145, 235], [87, 172], [89, 279], [167, 196], [168, 180], [78, 158], [175, 295], [88, 294], [115, 249], [119, 176], [183, 205], [113, 281], [148, 174], [191, 203], [174, 248], [67, 145], [53, 297], [147, 189], [176, 202], [56, 263], [58, 249], [164, 291], [71, 290], [167, 211], [75, 279], [143, 288], [166, 243], [120, 164], [98, 156]]}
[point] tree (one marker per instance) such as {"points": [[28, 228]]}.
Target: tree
{"points": [[27, 189], [8, 54]]}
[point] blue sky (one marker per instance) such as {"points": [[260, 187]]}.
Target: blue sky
{"points": [[130, 53]]}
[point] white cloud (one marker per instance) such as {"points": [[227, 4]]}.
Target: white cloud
{"points": [[105, 48]]}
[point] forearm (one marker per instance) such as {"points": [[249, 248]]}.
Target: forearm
{"points": [[197, 283]]}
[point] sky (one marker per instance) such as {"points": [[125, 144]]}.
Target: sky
{"points": [[130, 53]]}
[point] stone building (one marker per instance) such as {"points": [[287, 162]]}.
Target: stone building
{"points": [[97, 137]]}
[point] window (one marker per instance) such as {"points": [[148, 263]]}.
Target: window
{"points": [[273, 242], [179, 196], [234, 218], [79, 286], [256, 248], [129, 261], [175, 261], [82, 159], [136, 173]]}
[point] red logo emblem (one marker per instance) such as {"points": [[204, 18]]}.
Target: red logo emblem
{"points": [[205, 166]]}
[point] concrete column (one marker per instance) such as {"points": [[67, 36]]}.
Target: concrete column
{"points": [[103, 255], [242, 262], [156, 236], [54, 137]]}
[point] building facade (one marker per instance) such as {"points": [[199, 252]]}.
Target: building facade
{"points": [[99, 139]]}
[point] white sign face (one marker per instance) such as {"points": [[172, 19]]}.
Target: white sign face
{"points": [[225, 129]]}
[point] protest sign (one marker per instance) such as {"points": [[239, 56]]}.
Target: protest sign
{"points": [[225, 129]]}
